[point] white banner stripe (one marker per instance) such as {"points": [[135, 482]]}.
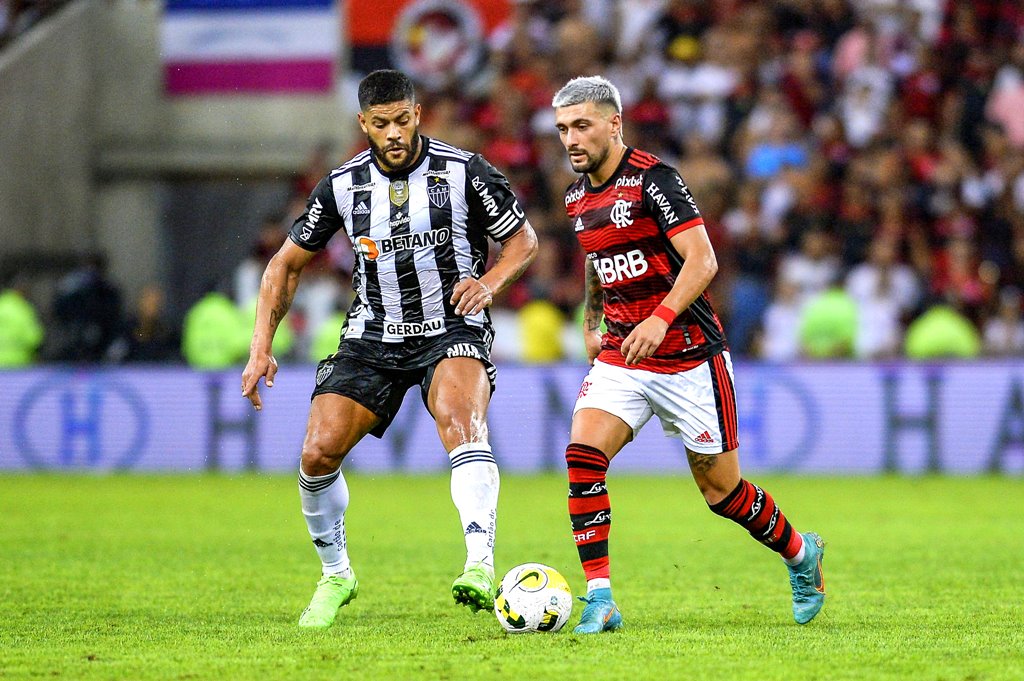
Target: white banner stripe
{"points": [[220, 36]]}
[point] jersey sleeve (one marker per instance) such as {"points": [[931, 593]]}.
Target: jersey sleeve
{"points": [[668, 200], [318, 223], [492, 205]]}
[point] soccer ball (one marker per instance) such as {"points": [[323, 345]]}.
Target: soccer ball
{"points": [[533, 597]]}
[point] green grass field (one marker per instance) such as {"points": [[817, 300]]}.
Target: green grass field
{"points": [[203, 577]]}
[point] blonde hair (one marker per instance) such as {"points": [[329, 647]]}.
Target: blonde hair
{"points": [[597, 89]]}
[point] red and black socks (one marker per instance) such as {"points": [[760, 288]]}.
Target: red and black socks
{"points": [[590, 510], [753, 508]]}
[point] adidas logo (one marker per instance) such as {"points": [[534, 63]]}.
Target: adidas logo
{"points": [[705, 438], [579, 225], [320, 543], [474, 528], [361, 209]]}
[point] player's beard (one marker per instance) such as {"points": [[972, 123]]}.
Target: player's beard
{"points": [[592, 162], [411, 150]]}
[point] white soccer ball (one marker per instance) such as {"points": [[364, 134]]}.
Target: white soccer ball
{"points": [[533, 597]]}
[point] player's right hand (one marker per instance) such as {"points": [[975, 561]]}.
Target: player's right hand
{"points": [[260, 365], [592, 342]]}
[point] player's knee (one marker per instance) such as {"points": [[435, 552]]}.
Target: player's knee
{"points": [[320, 457], [714, 491], [458, 427]]}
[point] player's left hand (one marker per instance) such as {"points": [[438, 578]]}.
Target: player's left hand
{"points": [[644, 340], [470, 296]]}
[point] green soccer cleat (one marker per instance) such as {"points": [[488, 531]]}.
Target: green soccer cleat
{"points": [[601, 613], [331, 593], [475, 587], [807, 581]]}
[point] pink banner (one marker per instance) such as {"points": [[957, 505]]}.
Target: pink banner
{"points": [[249, 77]]}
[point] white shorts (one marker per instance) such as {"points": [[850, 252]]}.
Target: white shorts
{"points": [[697, 406]]}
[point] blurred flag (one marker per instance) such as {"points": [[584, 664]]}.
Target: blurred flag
{"points": [[249, 46], [437, 42]]}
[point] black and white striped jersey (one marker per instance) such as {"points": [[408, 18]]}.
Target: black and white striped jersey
{"points": [[416, 233]]}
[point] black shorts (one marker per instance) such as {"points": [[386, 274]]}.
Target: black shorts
{"points": [[377, 375]]}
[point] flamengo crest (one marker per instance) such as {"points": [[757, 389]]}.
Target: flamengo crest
{"points": [[620, 214]]}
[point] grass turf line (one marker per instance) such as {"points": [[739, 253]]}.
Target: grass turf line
{"points": [[179, 577]]}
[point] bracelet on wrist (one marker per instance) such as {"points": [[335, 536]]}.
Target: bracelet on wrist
{"points": [[666, 313]]}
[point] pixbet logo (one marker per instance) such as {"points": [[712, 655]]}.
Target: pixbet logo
{"points": [[621, 266]]}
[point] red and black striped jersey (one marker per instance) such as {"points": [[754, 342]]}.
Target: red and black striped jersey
{"points": [[625, 226]]}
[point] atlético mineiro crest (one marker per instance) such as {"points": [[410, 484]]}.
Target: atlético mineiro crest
{"points": [[438, 193], [323, 372]]}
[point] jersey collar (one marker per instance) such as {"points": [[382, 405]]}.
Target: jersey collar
{"points": [[611, 178]]}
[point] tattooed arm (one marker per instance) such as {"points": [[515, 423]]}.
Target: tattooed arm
{"points": [[593, 312], [277, 290], [517, 252]]}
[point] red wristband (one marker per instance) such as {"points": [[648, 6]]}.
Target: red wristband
{"points": [[665, 312]]}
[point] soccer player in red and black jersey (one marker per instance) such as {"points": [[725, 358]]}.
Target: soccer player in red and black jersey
{"points": [[649, 262]]}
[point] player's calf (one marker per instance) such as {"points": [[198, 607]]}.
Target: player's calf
{"points": [[754, 509], [590, 510]]}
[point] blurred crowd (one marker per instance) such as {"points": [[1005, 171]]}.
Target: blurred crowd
{"points": [[864, 156], [859, 165]]}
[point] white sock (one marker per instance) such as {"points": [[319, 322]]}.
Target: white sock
{"points": [[475, 485], [598, 583], [324, 501], [798, 558]]}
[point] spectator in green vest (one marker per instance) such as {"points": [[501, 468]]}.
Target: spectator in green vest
{"points": [[828, 325], [20, 331], [942, 332], [215, 334]]}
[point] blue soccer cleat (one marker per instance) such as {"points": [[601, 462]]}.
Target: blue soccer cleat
{"points": [[807, 581], [601, 613]]}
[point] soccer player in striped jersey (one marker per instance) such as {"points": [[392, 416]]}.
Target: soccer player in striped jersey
{"points": [[419, 214], [648, 264]]}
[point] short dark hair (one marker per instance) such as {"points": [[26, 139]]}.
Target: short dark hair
{"points": [[385, 86]]}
